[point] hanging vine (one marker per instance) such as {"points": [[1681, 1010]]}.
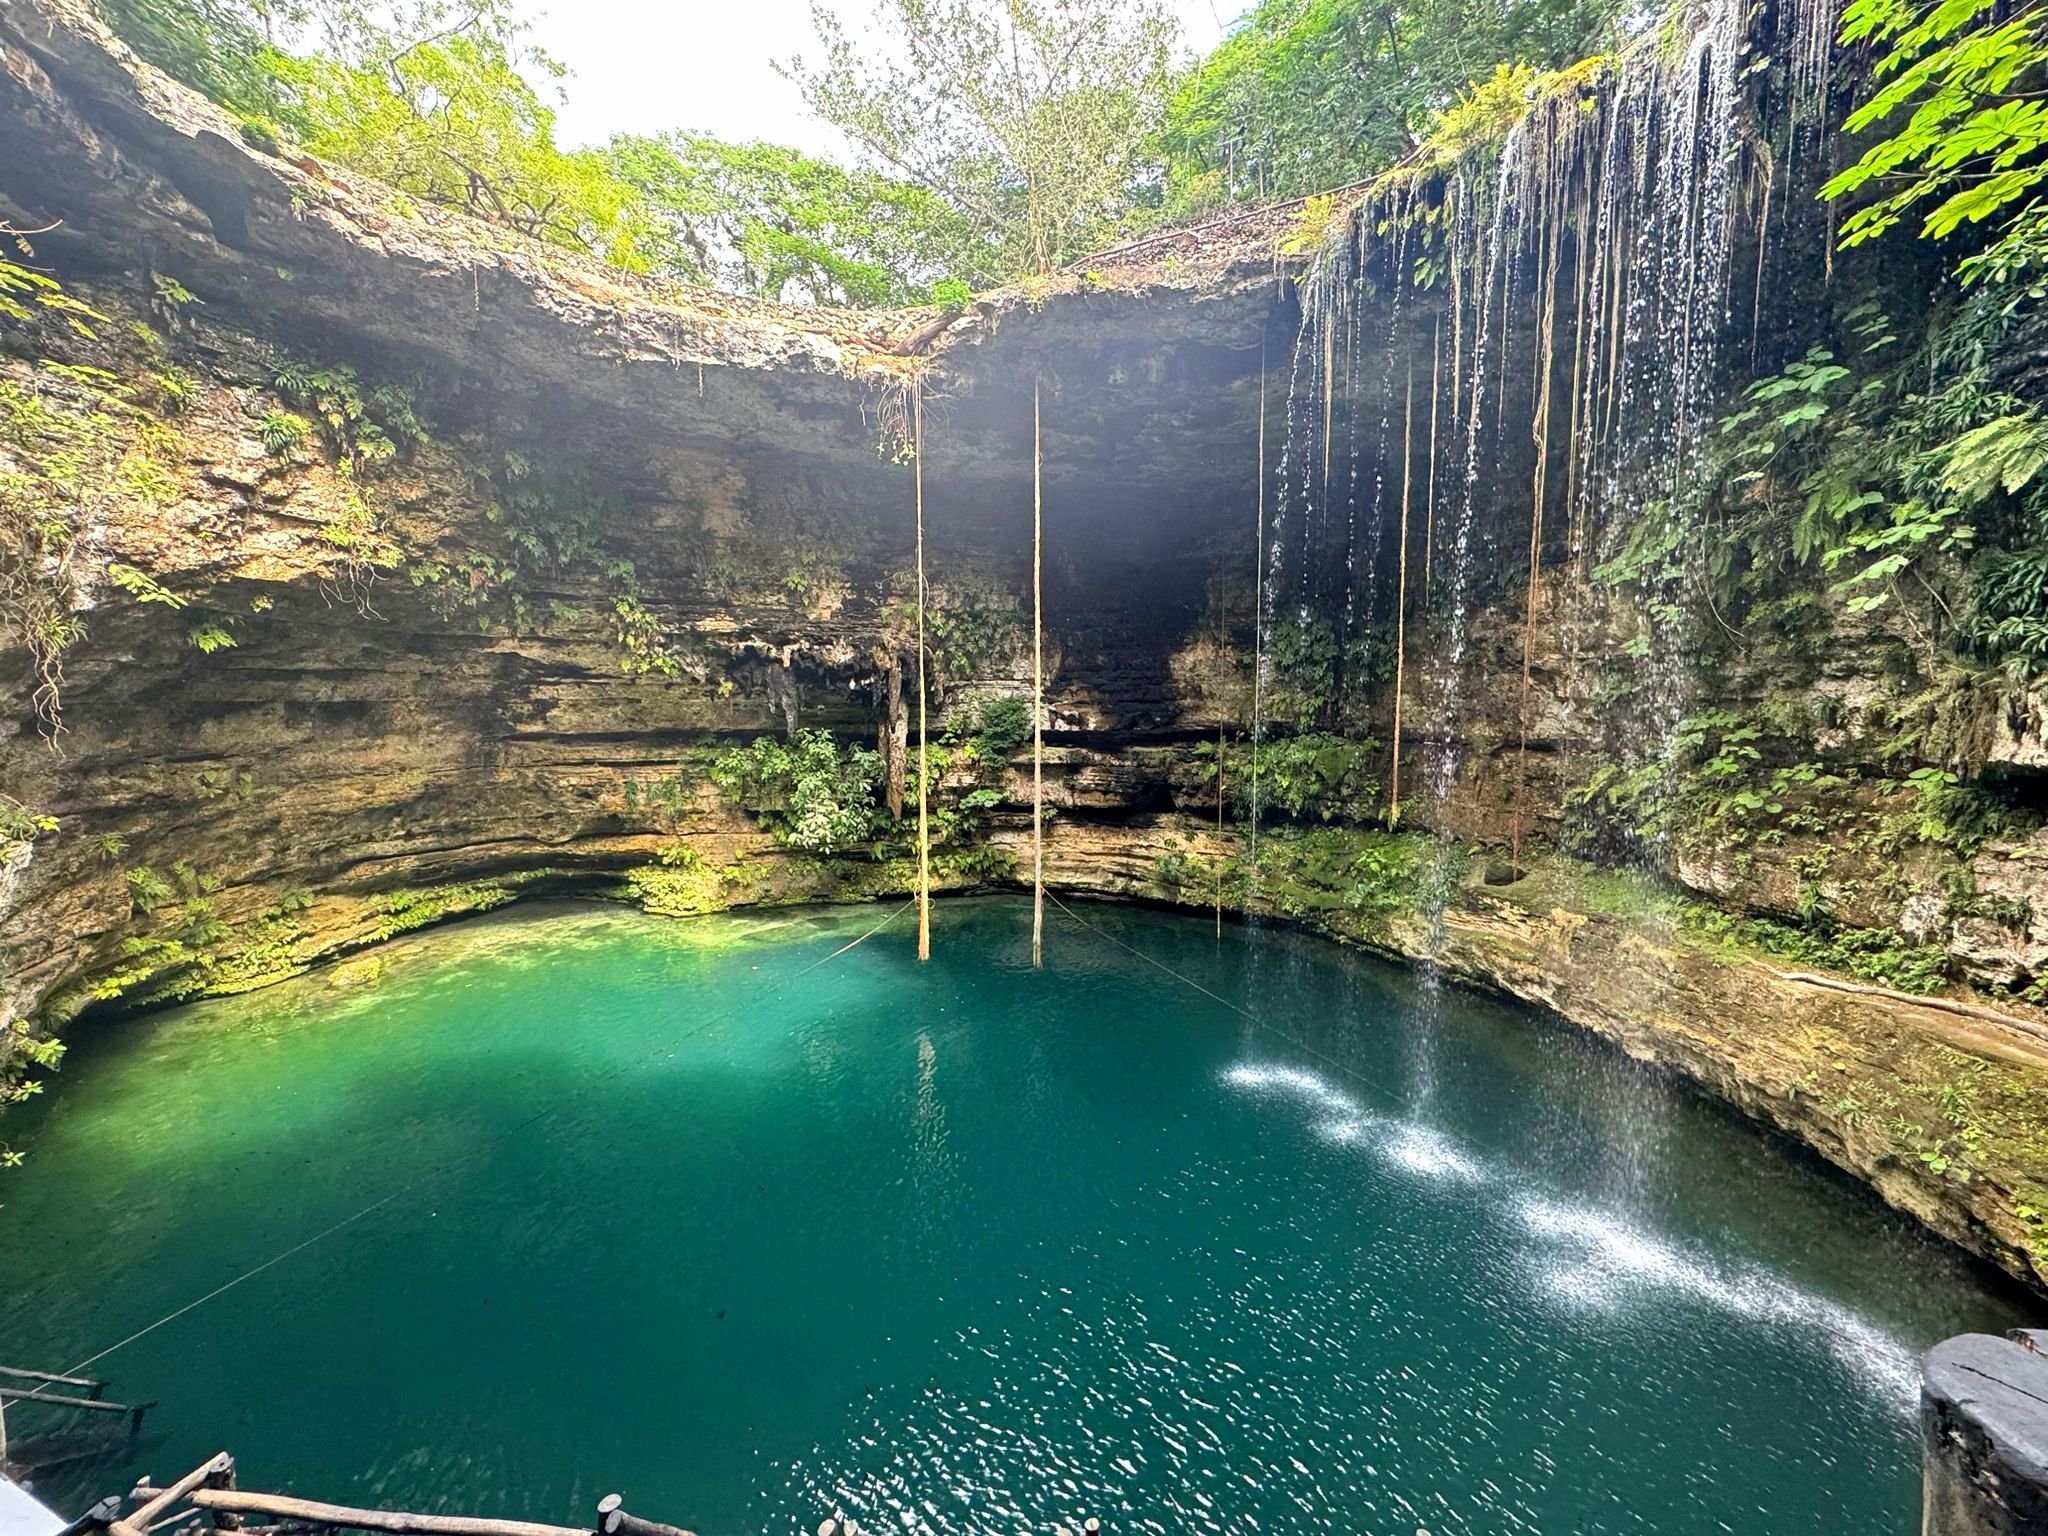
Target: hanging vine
{"points": [[924, 835], [1037, 680]]}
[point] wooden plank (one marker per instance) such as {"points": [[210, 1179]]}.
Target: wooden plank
{"points": [[162, 1499], [52, 1378], [403, 1524], [37, 1395]]}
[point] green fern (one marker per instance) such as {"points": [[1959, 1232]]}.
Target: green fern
{"points": [[282, 431]]}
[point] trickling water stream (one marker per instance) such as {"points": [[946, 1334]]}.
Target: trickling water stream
{"points": [[1583, 282], [1590, 267], [961, 1247]]}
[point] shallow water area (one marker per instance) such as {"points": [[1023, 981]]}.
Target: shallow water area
{"points": [[1241, 1235]]}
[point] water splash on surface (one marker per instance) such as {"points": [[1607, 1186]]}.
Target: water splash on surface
{"points": [[1589, 1258]]}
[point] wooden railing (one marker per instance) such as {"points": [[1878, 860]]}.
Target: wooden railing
{"points": [[208, 1493], [21, 1387]]}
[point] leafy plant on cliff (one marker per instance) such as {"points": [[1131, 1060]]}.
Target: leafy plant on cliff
{"points": [[365, 424], [1001, 727], [1315, 676], [282, 431], [1881, 955], [22, 1052], [642, 638], [967, 631], [147, 890], [1911, 478], [1710, 787], [27, 294], [550, 522], [403, 911], [667, 798], [1957, 83], [18, 824], [809, 791], [1310, 777], [1357, 877], [1175, 870]]}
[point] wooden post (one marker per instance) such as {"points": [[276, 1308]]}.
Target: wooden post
{"points": [[60, 1400], [156, 1500], [225, 1519], [310, 1512], [612, 1520], [52, 1379]]}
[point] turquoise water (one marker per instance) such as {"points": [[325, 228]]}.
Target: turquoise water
{"points": [[751, 1232]]}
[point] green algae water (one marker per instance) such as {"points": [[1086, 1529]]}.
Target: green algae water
{"points": [[755, 1228]]}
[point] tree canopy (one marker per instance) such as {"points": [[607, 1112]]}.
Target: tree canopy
{"points": [[767, 219], [1959, 84], [455, 121], [999, 138], [451, 106], [1031, 118], [1305, 95]]}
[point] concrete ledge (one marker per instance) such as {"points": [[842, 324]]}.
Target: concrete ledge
{"points": [[23, 1514]]}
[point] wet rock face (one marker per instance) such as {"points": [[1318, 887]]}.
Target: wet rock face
{"points": [[552, 616]]}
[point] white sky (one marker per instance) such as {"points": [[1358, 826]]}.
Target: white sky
{"points": [[639, 66]]}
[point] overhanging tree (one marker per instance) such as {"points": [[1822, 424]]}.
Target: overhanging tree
{"points": [[1031, 118], [770, 220], [1306, 95]]}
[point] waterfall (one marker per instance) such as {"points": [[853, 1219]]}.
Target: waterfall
{"points": [[1579, 282]]}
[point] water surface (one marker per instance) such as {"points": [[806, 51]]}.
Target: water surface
{"points": [[1249, 1235]]}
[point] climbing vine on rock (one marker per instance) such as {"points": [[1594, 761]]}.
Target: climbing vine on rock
{"points": [[551, 521], [77, 442]]}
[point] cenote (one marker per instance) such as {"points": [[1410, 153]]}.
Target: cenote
{"points": [[1487, 565], [1186, 1232]]}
